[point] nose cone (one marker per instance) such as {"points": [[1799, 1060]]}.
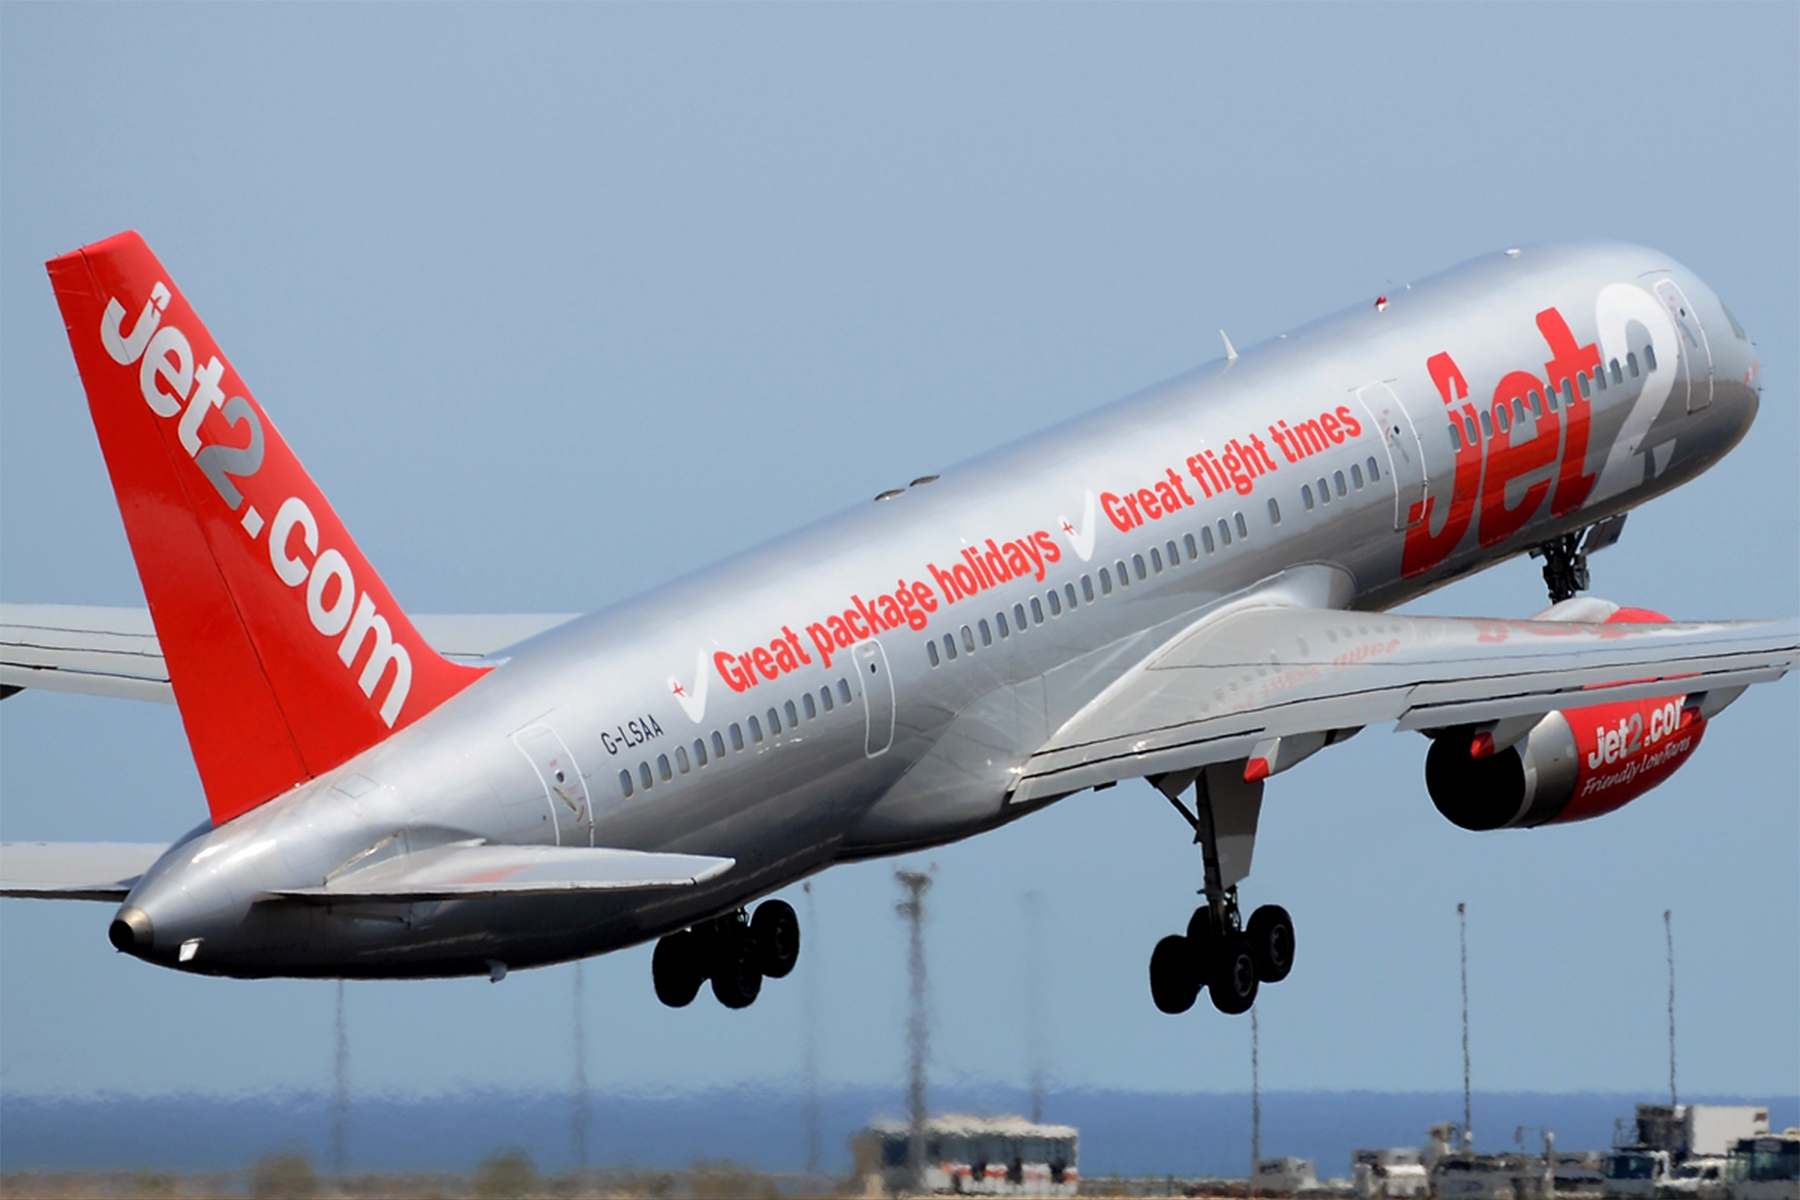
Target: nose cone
{"points": [[132, 932]]}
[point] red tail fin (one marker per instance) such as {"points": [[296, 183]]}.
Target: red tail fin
{"points": [[286, 653]]}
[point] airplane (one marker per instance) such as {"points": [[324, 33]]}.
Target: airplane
{"points": [[1190, 585]]}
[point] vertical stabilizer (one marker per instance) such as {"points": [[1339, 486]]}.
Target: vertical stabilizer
{"points": [[286, 652]]}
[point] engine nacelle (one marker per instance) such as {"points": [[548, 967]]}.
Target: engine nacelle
{"points": [[1573, 765]]}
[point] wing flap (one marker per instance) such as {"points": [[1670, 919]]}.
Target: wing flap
{"points": [[75, 870], [103, 651], [469, 870], [1213, 693]]}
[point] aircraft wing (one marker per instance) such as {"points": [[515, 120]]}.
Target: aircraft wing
{"points": [[466, 870], [1232, 685], [75, 870], [114, 652]]}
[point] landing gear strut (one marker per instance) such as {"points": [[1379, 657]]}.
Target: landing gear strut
{"points": [[1220, 952], [1565, 558], [735, 952]]}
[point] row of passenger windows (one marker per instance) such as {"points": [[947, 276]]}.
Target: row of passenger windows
{"points": [[1466, 432], [714, 747], [1344, 488], [1077, 592]]}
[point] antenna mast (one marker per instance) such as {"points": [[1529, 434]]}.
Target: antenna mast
{"points": [[1669, 941], [1462, 930], [917, 1030]]}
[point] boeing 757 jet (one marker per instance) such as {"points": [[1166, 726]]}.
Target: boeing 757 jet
{"points": [[1191, 585]]}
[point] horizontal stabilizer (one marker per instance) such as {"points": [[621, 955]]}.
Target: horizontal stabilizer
{"points": [[103, 651], [468, 870], [75, 870]]}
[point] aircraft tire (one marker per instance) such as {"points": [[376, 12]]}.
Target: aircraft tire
{"points": [[736, 977], [1175, 975], [1202, 930], [777, 932], [677, 969], [1232, 976], [1271, 934]]}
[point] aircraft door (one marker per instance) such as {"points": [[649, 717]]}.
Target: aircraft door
{"points": [[877, 687], [564, 789], [1405, 454], [1696, 354]]}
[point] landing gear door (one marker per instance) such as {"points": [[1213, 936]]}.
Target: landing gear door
{"points": [[1696, 354], [1405, 454], [877, 687], [564, 789]]}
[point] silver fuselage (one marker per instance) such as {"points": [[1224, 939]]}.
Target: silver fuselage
{"points": [[925, 746]]}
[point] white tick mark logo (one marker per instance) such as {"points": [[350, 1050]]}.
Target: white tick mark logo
{"points": [[1082, 540], [692, 701]]}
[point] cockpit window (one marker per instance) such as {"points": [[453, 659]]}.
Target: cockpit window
{"points": [[1735, 327]]}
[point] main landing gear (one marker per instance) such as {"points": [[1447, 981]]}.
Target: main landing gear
{"points": [[1228, 957], [734, 951], [1565, 558]]}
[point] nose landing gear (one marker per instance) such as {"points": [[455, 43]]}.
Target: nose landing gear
{"points": [[1230, 958], [734, 951]]}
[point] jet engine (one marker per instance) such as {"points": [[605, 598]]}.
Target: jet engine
{"points": [[1568, 765]]}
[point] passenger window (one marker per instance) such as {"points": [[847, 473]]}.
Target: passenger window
{"points": [[1244, 530], [1356, 480], [793, 716], [968, 639], [1550, 400], [1487, 424], [681, 759], [825, 697], [625, 783], [1105, 581], [718, 745], [844, 690], [1519, 408], [1193, 550], [812, 708], [1156, 560], [1055, 604], [1568, 393], [1019, 617], [950, 646], [1649, 358], [1471, 435], [774, 723], [1374, 471], [1000, 623], [1536, 401], [1087, 588], [1174, 555], [1600, 377], [1587, 391], [1137, 564], [644, 775], [1618, 376], [1502, 419], [1037, 611], [987, 633], [1224, 533], [737, 736], [1206, 537], [1306, 502], [1456, 442], [1069, 592], [931, 652], [1338, 477], [1274, 512], [1124, 575], [755, 729], [1324, 492], [700, 752], [662, 768]]}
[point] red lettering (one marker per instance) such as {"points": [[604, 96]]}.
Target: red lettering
{"points": [[1510, 459], [1567, 361], [1349, 421], [765, 662], [734, 675], [1423, 549]]}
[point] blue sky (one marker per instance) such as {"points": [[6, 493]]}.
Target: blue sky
{"points": [[559, 302]]}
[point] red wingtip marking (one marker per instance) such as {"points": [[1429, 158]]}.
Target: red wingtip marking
{"points": [[1482, 746], [1256, 770]]}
